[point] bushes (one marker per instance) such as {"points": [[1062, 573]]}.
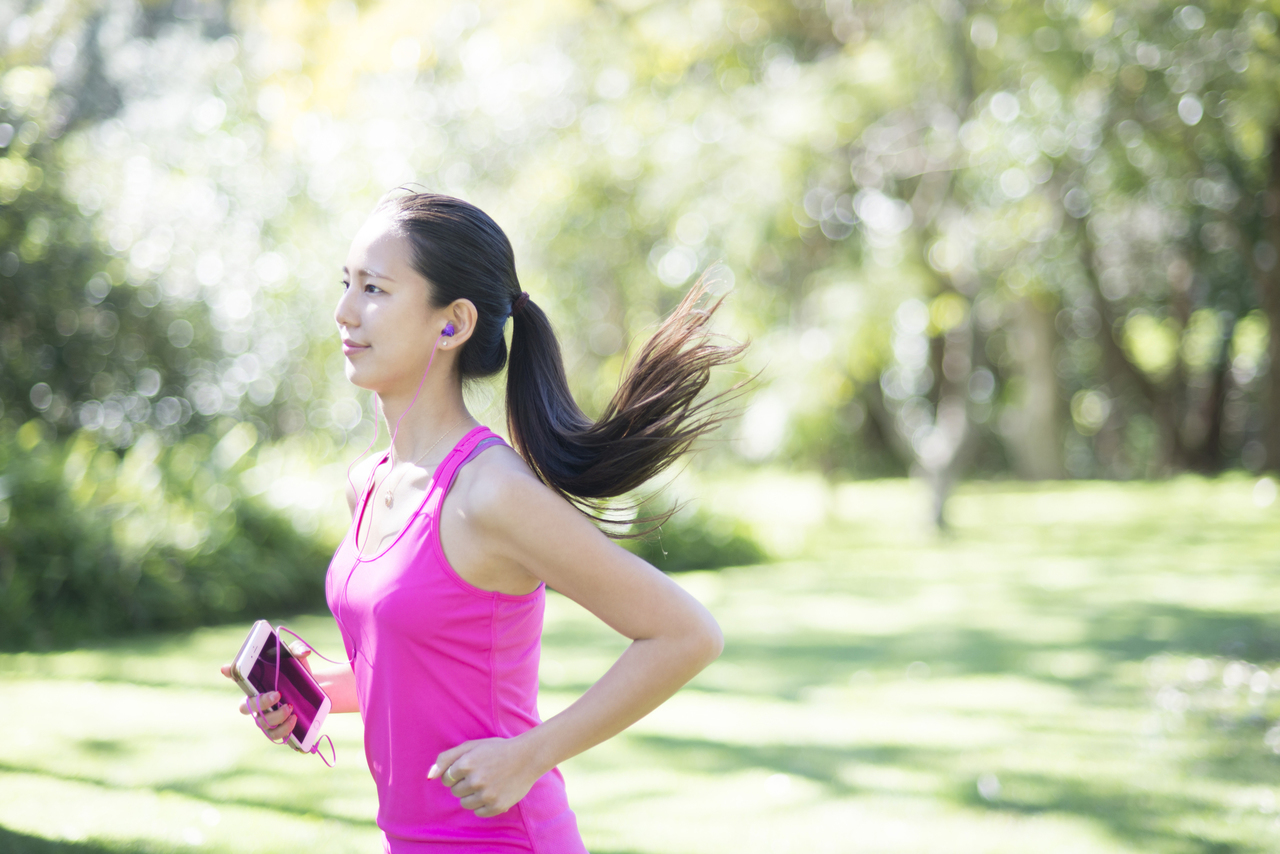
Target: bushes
{"points": [[94, 543], [698, 540], [97, 542]]}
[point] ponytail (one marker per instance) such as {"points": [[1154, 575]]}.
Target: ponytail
{"points": [[652, 419]]}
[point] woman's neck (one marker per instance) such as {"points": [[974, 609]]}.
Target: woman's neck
{"points": [[423, 424]]}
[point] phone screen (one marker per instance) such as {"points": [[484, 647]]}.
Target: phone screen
{"points": [[295, 686]]}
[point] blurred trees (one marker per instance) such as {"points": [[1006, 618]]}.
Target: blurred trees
{"points": [[73, 329], [95, 542], [134, 490], [965, 237], [1075, 194], [1078, 189], [1031, 237]]}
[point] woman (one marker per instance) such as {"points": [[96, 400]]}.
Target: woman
{"points": [[439, 587]]}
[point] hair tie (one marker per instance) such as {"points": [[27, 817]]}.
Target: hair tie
{"points": [[519, 303]]}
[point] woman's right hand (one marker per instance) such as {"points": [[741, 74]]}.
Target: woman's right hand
{"points": [[277, 723]]}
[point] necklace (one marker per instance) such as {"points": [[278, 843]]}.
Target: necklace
{"points": [[390, 500]]}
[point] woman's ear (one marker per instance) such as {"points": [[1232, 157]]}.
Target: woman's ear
{"points": [[460, 319]]}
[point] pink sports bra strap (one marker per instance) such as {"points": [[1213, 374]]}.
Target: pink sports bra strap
{"points": [[465, 452], [486, 442]]}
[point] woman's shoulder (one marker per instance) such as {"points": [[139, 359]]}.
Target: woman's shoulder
{"points": [[496, 483]]}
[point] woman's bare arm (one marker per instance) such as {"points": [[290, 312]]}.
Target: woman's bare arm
{"points": [[673, 635]]}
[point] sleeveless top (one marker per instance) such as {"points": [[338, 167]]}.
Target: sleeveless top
{"points": [[438, 662]]}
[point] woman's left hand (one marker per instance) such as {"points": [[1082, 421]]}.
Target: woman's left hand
{"points": [[488, 775]]}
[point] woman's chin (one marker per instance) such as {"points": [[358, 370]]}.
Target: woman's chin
{"points": [[357, 377]]}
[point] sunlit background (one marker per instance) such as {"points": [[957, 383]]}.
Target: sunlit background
{"points": [[981, 250]]}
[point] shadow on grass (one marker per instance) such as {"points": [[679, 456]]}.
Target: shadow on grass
{"points": [[197, 789], [1134, 815], [1238, 753], [807, 659], [819, 764], [103, 746], [12, 842], [1123, 633], [1136, 631]]}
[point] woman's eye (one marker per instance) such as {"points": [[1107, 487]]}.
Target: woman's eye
{"points": [[371, 289], [346, 285]]}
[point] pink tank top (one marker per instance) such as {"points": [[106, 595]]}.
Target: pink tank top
{"points": [[439, 662]]}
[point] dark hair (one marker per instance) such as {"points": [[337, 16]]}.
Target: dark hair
{"points": [[653, 417]]}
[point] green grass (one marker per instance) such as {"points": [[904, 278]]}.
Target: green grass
{"points": [[1055, 675]]}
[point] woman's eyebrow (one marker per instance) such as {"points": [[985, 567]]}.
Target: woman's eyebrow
{"points": [[369, 274]]}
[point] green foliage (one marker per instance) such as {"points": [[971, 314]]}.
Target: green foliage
{"points": [[77, 325], [95, 542], [1000, 206], [1036, 238], [698, 539]]}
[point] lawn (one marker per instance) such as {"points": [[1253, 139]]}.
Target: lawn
{"points": [[1081, 667]]}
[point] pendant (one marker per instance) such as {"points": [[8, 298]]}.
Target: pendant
{"points": [[390, 499]]}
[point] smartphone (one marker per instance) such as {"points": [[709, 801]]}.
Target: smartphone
{"points": [[254, 670]]}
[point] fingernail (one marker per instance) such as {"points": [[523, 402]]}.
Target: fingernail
{"points": [[431, 773]]}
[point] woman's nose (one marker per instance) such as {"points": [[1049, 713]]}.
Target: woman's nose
{"points": [[344, 313]]}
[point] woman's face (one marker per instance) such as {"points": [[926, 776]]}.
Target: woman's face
{"points": [[384, 316]]}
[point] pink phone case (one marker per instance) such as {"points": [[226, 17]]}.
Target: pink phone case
{"points": [[274, 668]]}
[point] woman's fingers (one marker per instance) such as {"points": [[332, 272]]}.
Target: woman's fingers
{"points": [[276, 718], [463, 788], [301, 652], [261, 703], [281, 731], [472, 802], [445, 760], [275, 721], [278, 723]]}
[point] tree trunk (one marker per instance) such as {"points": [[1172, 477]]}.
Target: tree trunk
{"points": [[1208, 456], [1268, 283], [1123, 372], [943, 452], [1033, 432]]}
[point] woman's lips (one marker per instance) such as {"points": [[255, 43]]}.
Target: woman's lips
{"points": [[349, 347]]}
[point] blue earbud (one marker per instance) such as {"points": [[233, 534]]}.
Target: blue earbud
{"points": [[448, 330]]}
